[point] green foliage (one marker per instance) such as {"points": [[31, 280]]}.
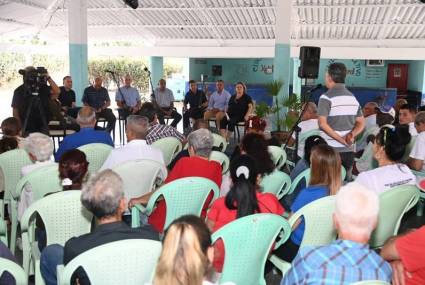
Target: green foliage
{"points": [[262, 109], [10, 63], [273, 89]]}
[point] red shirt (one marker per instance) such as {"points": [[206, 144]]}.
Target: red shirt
{"points": [[221, 215], [186, 167], [411, 249]]}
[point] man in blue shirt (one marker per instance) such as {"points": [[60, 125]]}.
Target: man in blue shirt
{"points": [[128, 99], [217, 103], [197, 104], [87, 120], [348, 259], [97, 97]]}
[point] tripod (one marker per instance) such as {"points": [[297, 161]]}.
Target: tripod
{"points": [[34, 103]]}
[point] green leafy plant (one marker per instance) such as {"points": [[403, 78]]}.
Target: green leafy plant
{"points": [[273, 89], [262, 109]]}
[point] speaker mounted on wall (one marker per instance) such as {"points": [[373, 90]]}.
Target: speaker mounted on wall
{"points": [[310, 60], [217, 70]]}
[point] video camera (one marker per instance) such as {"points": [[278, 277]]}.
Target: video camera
{"points": [[34, 79]]}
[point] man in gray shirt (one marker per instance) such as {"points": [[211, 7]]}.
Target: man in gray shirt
{"points": [[163, 100], [340, 115]]}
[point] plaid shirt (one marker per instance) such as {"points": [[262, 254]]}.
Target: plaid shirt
{"points": [[158, 131], [341, 262]]}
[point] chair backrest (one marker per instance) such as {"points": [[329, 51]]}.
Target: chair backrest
{"points": [[302, 177], [169, 146], [220, 142], [147, 171], [308, 134], [371, 282], [15, 270], [221, 158], [63, 216], [42, 180], [277, 183], [247, 243], [185, 196], [278, 155], [129, 262], [96, 154], [319, 227], [3, 232], [392, 206], [11, 163]]}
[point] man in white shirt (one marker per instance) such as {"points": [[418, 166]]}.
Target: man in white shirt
{"points": [[407, 116], [163, 99], [137, 148], [417, 155], [369, 112], [309, 122]]}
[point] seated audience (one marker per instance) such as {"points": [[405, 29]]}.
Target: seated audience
{"points": [[197, 101], [163, 100], [128, 99], [56, 113], [407, 257], [136, 148], [157, 131], [6, 278], [40, 150], [239, 110], [407, 115], [398, 104], [73, 169], [388, 149], [87, 120], [187, 254], [11, 130], [309, 122], [198, 164], [302, 165], [348, 259], [369, 112], [217, 103], [417, 155], [243, 199], [325, 180], [102, 195]]}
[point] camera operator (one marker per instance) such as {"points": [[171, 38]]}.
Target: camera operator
{"points": [[34, 93]]}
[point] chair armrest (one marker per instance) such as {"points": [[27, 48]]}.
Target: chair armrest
{"points": [[135, 215], [282, 265], [59, 272]]}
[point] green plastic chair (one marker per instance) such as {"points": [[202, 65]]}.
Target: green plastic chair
{"points": [[185, 196], [278, 155], [96, 154], [420, 175], [392, 206], [303, 176], [247, 244], [43, 180], [301, 140], [277, 183], [219, 142], [169, 146], [221, 158], [11, 163], [148, 172], [319, 227], [371, 282], [63, 216], [3, 231], [130, 262], [14, 269]]}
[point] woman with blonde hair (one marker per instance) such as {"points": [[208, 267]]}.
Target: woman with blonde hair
{"points": [[187, 254]]}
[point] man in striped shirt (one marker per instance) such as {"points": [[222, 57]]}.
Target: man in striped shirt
{"points": [[340, 115], [348, 259]]}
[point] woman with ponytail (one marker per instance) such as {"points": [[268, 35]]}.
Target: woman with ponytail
{"points": [[187, 254], [73, 167], [388, 149], [243, 199]]}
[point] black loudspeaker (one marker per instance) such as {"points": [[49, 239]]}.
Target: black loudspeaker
{"points": [[310, 60], [216, 70]]}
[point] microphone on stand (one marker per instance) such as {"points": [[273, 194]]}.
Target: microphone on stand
{"points": [[109, 71], [147, 70]]}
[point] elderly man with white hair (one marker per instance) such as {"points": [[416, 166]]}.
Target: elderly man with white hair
{"points": [[87, 120], [348, 259], [102, 195], [197, 164], [40, 150]]}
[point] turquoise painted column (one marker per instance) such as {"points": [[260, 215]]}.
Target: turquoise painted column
{"points": [[423, 84], [78, 53], [296, 81], [156, 66]]}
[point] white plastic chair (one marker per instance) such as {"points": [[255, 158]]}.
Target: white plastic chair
{"points": [[129, 262], [278, 155], [63, 216], [169, 146], [221, 158], [220, 142], [15, 270], [96, 154], [140, 176], [277, 183]]}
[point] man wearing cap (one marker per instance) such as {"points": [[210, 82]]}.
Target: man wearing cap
{"points": [[340, 116]]}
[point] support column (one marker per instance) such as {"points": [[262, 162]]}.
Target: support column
{"points": [[78, 56], [282, 57], [423, 84], [156, 66], [296, 81]]}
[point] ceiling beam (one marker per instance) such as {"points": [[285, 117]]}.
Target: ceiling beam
{"points": [[358, 6], [176, 26], [183, 9], [29, 3], [14, 22]]}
